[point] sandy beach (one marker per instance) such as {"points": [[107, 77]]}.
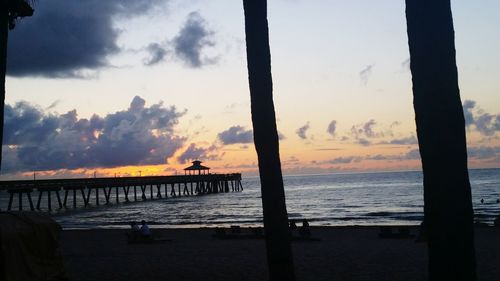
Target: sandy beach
{"points": [[344, 253]]}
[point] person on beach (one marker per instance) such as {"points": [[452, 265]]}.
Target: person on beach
{"points": [[145, 231], [304, 230], [293, 226], [134, 227], [135, 232]]}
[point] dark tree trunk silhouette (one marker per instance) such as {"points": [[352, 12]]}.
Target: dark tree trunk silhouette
{"points": [[4, 33], [448, 213], [279, 252], [10, 11]]}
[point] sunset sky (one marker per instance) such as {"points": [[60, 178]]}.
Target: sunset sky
{"points": [[123, 87]]}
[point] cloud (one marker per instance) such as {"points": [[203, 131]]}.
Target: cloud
{"points": [[187, 46], [368, 133], [412, 154], [378, 157], [394, 124], [69, 38], [328, 149], [368, 128], [406, 64], [485, 123], [139, 135], [363, 141], [345, 160], [363, 132], [236, 134], [193, 152], [302, 131], [402, 141], [192, 39], [468, 106], [365, 74], [332, 127], [156, 53], [483, 152], [281, 136], [53, 105]]}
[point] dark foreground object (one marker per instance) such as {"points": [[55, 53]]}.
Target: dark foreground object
{"points": [[344, 253], [29, 247], [440, 122]]}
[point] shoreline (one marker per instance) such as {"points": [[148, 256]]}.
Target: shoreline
{"points": [[343, 253]]}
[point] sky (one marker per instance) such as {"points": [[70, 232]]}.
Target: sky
{"points": [[144, 87]]}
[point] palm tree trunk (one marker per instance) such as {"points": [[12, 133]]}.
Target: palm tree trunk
{"points": [[4, 33], [279, 252], [448, 213]]}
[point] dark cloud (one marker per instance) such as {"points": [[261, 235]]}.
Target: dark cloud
{"points": [[402, 141], [302, 131], [379, 157], [53, 105], [345, 160], [485, 123], [253, 165], [140, 135], [367, 134], [363, 132], [483, 152], [368, 129], [192, 39], [198, 153], [69, 38], [187, 46], [236, 134], [412, 154], [365, 74], [156, 54], [332, 127], [468, 106], [363, 141]]}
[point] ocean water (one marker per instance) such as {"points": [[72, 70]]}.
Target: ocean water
{"points": [[330, 199]]}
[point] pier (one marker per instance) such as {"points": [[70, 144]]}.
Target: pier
{"points": [[83, 192]]}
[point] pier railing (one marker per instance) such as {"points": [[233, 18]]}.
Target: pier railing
{"points": [[79, 191]]}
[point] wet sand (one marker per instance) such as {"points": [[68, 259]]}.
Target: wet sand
{"points": [[344, 253]]}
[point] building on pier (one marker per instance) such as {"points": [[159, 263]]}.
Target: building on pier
{"points": [[196, 168]]}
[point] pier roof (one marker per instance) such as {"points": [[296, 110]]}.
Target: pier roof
{"points": [[196, 167]]}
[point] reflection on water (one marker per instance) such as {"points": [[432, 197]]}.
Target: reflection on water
{"points": [[335, 199]]}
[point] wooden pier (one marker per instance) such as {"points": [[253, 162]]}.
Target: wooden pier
{"points": [[81, 192]]}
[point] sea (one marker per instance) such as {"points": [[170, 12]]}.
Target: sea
{"points": [[379, 198]]}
